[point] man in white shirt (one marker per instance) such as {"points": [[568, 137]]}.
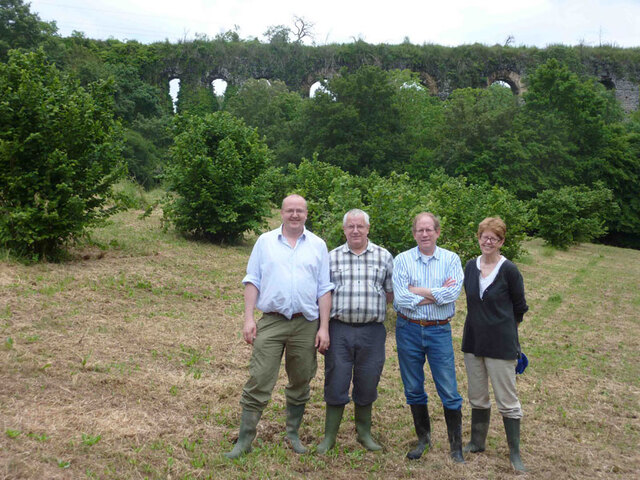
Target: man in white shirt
{"points": [[288, 280]]}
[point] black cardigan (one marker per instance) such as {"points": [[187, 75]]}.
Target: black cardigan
{"points": [[491, 327]]}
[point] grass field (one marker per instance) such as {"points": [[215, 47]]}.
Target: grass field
{"points": [[128, 361]]}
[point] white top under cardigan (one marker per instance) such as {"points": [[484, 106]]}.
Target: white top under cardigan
{"points": [[485, 282]]}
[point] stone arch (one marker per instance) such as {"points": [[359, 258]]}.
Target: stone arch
{"points": [[512, 79], [315, 87], [312, 79]]}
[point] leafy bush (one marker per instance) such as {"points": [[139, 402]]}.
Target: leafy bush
{"points": [[574, 214], [313, 180], [146, 150], [217, 171], [462, 207], [59, 156], [393, 201]]}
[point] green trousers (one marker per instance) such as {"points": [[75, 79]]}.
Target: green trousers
{"points": [[277, 335]]}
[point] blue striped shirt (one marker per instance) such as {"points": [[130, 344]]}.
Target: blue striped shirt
{"points": [[416, 269]]}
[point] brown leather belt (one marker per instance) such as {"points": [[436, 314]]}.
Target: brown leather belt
{"points": [[425, 323], [297, 314]]}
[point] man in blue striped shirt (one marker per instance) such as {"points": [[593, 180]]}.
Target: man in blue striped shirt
{"points": [[427, 280]]}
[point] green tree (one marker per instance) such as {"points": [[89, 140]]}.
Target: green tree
{"points": [[217, 173], [421, 117], [19, 28], [473, 121], [196, 99], [147, 144], [59, 155], [558, 136], [355, 123], [273, 110], [573, 214]]}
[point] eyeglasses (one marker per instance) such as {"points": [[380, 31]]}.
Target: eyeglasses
{"points": [[491, 240]]}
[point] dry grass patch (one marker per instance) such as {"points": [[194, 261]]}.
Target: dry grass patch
{"points": [[128, 362]]}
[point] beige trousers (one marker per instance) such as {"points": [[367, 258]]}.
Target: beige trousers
{"points": [[503, 380]]}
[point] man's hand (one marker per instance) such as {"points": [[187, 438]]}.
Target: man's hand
{"points": [[322, 340], [249, 330], [449, 282]]}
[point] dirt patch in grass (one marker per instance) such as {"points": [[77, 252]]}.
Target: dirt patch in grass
{"points": [[128, 362]]}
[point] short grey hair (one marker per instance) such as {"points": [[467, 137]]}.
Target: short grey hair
{"points": [[355, 212]]}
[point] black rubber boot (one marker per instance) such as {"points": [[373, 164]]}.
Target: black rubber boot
{"points": [[363, 427], [512, 429], [422, 423], [294, 419], [480, 418], [454, 432], [248, 429], [331, 426]]}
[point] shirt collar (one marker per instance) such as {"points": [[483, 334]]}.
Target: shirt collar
{"points": [[346, 249], [303, 236], [419, 255]]}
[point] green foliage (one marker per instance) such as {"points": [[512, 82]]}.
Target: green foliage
{"points": [[59, 156], [394, 200], [462, 207], [473, 120], [217, 170], [196, 99], [355, 123], [557, 136], [272, 109], [90, 440], [573, 214], [146, 149], [313, 180], [21, 29]]}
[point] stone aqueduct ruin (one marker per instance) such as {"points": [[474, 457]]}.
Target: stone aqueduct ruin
{"points": [[301, 66]]}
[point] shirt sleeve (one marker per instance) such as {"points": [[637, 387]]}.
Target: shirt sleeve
{"points": [[324, 277], [402, 297], [444, 295], [388, 280], [254, 273]]}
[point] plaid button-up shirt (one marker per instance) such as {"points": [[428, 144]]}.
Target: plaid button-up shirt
{"points": [[361, 283]]}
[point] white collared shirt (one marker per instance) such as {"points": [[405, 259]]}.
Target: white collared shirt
{"points": [[289, 279]]}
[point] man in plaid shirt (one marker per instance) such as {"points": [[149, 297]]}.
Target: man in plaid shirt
{"points": [[361, 272]]}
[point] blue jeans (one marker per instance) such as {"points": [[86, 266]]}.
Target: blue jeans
{"points": [[414, 344]]}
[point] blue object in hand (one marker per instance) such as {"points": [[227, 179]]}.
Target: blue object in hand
{"points": [[523, 361]]}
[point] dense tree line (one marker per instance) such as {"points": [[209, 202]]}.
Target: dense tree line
{"points": [[373, 136]]}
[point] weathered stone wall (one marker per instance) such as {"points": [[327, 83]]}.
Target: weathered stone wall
{"points": [[441, 69]]}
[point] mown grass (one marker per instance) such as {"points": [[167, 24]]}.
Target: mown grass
{"points": [[127, 361]]}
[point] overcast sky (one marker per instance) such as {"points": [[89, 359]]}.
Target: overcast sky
{"points": [[446, 22]]}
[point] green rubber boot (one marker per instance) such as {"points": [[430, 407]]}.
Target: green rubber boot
{"points": [[512, 429], [331, 426], [363, 427], [294, 419], [479, 428], [248, 429]]}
